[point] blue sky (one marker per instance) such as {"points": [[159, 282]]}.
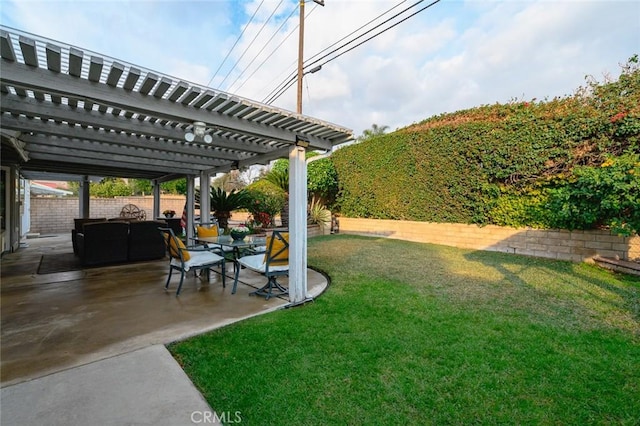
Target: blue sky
{"points": [[454, 55]]}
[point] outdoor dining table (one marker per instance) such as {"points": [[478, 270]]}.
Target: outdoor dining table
{"points": [[247, 242]]}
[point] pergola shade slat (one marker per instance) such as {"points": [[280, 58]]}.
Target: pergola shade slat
{"points": [[28, 48], [53, 58], [132, 116], [6, 47]]}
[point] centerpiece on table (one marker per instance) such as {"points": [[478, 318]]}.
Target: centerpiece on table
{"points": [[239, 232], [169, 213]]}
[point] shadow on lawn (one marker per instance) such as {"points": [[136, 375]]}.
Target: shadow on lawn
{"points": [[588, 291]]}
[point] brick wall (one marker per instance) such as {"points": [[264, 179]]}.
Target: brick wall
{"points": [[55, 215], [576, 246]]}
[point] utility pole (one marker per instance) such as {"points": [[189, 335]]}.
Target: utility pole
{"points": [[301, 53]]}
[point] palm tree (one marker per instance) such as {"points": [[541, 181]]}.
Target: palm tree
{"points": [[375, 130], [223, 203], [280, 178]]}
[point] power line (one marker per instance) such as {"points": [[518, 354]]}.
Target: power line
{"points": [[234, 44], [284, 21], [275, 50], [283, 88], [285, 85], [251, 44], [376, 35], [364, 25], [278, 88]]}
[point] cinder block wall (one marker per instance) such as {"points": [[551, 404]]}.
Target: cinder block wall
{"points": [[55, 215], [576, 246]]}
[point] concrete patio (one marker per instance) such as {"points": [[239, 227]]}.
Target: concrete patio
{"points": [[82, 320]]}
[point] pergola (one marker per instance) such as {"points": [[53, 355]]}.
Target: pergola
{"points": [[68, 114]]}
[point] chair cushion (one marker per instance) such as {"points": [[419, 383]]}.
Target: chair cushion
{"points": [[256, 263], [276, 257], [175, 245], [203, 231], [197, 259]]}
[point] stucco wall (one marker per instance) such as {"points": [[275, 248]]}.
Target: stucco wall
{"points": [[576, 246], [55, 215]]}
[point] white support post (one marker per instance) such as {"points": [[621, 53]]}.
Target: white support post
{"points": [[190, 207], [205, 200], [297, 225], [156, 198], [84, 197]]}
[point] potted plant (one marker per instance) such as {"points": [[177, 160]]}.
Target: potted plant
{"points": [[239, 232], [223, 203], [169, 213]]}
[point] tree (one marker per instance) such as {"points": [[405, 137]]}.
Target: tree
{"points": [[374, 131], [223, 203], [230, 181], [278, 176]]}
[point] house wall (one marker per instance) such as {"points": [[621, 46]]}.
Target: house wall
{"points": [[575, 246]]}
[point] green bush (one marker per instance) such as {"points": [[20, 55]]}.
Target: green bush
{"points": [[110, 187], [510, 164], [322, 177], [608, 195], [264, 197]]}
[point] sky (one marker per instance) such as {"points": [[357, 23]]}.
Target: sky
{"points": [[453, 55]]}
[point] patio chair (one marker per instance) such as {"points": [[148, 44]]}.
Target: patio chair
{"points": [[184, 259], [211, 229], [272, 264]]}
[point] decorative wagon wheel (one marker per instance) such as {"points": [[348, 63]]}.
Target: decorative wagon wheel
{"points": [[130, 210]]}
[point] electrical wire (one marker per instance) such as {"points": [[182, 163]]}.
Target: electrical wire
{"points": [[292, 74], [252, 41], [280, 92], [284, 21], [376, 35], [275, 50], [234, 44], [364, 25], [279, 89]]}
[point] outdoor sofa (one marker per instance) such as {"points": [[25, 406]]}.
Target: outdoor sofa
{"points": [[119, 241]]}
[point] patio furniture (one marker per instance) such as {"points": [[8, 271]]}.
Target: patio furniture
{"points": [[145, 242], [272, 264], [172, 222], [184, 259], [210, 230], [99, 242], [78, 224], [103, 243]]}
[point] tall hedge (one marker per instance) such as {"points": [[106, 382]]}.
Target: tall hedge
{"points": [[499, 164]]}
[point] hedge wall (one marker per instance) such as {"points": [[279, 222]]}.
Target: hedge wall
{"points": [[515, 164]]}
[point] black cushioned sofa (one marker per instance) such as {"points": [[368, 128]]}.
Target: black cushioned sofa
{"points": [[119, 242], [145, 241]]}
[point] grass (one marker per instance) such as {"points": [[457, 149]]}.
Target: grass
{"points": [[420, 334]]}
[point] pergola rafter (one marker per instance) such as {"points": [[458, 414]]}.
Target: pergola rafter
{"points": [[88, 104]]}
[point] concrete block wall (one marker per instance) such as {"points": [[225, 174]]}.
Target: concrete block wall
{"points": [[577, 246], [55, 215]]}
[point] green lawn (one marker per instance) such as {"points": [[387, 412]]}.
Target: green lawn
{"points": [[420, 334]]}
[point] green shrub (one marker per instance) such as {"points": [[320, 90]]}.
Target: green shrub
{"points": [[265, 197], [608, 195], [516, 164]]}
